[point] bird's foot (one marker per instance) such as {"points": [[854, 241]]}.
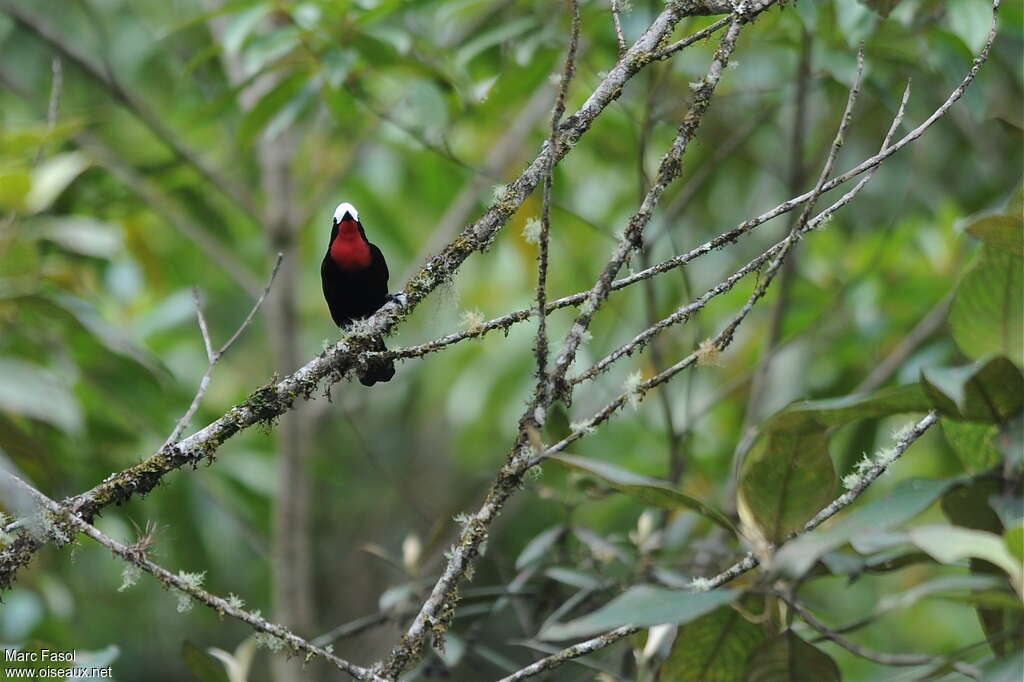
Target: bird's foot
{"points": [[400, 298]]}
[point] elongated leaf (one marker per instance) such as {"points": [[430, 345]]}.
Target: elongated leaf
{"points": [[990, 390], [787, 658], [52, 177], [269, 105], [1002, 231], [81, 234], [987, 313], [15, 184], [1014, 537], [905, 501], [32, 391], [642, 605], [713, 648], [969, 507], [786, 478], [973, 443], [201, 664], [1010, 441], [538, 547], [788, 475], [643, 488], [497, 33], [885, 402], [950, 544]]}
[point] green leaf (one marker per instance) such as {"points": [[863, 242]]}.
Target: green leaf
{"points": [[15, 184], [573, 578], [973, 443], [905, 501], [989, 390], [81, 234], [885, 402], [643, 488], [987, 313], [1004, 669], [270, 105], [950, 544], [242, 25], [1001, 231], [1014, 538], [713, 648], [785, 479], [968, 505], [970, 21], [266, 48], [1010, 441], [788, 475], [642, 606], [498, 33], [538, 547], [883, 7], [32, 391], [201, 664], [52, 177], [947, 586], [787, 658]]}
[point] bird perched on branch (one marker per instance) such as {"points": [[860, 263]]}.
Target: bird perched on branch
{"points": [[355, 282]]}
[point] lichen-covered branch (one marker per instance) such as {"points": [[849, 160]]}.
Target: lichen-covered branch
{"points": [[668, 170], [67, 522], [333, 364]]}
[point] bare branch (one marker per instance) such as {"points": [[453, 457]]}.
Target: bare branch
{"points": [[668, 171], [215, 355], [870, 654], [542, 393], [203, 328], [621, 39], [700, 35], [568, 653]]}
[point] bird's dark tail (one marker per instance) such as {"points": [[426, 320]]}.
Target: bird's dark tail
{"points": [[377, 370]]}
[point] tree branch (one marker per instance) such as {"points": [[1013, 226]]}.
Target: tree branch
{"points": [[136, 555], [274, 399], [215, 355]]}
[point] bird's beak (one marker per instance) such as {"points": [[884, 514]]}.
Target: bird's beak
{"points": [[347, 216]]}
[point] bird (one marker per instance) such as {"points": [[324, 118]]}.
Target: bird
{"points": [[354, 275]]}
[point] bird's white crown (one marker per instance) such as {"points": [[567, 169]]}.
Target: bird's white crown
{"points": [[344, 208]]}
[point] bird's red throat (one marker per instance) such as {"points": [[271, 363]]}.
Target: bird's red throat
{"points": [[349, 249]]}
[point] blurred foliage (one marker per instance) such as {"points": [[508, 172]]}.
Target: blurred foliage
{"points": [[397, 106]]}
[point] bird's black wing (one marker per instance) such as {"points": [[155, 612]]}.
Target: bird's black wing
{"points": [[379, 264]]}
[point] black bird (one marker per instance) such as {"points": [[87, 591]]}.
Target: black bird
{"points": [[355, 281]]}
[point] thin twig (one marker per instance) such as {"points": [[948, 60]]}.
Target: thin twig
{"points": [[621, 39], [215, 355], [870, 654], [668, 170], [337, 361], [568, 653], [700, 35], [203, 328], [541, 397]]}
